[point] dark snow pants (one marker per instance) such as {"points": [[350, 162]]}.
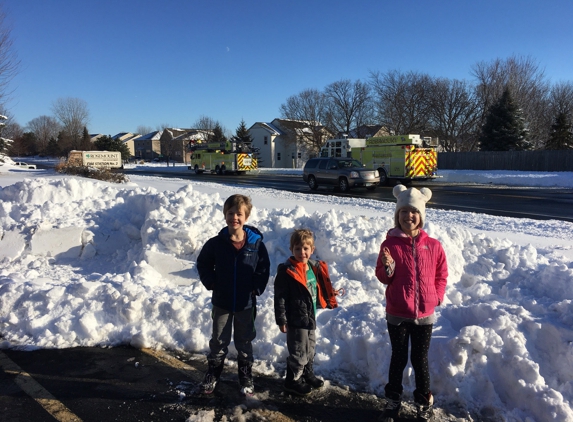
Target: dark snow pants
{"points": [[400, 336], [243, 325], [301, 344]]}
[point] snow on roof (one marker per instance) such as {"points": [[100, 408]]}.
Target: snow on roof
{"points": [[269, 126]]}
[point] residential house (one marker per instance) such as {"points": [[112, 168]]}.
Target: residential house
{"points": [[128, 139], [175, 142], [95, 136], [366, 131], [147, 147], [279, 143]]}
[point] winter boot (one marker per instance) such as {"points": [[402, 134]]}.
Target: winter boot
{"points": [[211, 377], [298, 386], [310, 378], [246, 378], [392, 408], [424, 406]]}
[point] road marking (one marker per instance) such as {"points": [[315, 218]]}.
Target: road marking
{"points": [[31, 387], [175, 363]]}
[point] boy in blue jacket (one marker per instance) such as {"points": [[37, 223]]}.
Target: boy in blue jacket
{"points": [[235, 266]]}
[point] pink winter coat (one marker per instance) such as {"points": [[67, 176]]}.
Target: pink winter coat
{"points": [[420, 276]]}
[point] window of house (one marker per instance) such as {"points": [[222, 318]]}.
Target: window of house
{"points": [[300, 155], [278, 156], [266, 140]]}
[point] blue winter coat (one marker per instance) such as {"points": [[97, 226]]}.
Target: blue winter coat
{"points": [[233, 275]]}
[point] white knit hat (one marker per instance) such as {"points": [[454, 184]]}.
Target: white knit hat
{"points": [[411, 198]]}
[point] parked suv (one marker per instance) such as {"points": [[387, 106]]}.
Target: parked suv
{"points": [[344, 173]]}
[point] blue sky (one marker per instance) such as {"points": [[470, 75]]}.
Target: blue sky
{"points": [[141, 62]]}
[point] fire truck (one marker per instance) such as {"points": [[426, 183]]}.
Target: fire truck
{"points": [[221, 157], [400, 157]]}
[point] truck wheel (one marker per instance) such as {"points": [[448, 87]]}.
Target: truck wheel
{"points": [[312, 183], [343, 184], [383, 177], [222, 170], [196, 168]]}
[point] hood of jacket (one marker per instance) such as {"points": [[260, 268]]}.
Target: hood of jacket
{"points": [[396, 232], [253, 234]]}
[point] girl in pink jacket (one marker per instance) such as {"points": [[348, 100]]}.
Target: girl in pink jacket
{"points": [[413, 267]]}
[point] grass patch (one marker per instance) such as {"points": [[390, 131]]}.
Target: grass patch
{"points": [[106, 175]]}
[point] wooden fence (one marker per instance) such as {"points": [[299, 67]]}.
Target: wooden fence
{"points": [[507, 160]]}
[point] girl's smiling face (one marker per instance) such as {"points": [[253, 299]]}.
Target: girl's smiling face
{"points": [[409, 219]]}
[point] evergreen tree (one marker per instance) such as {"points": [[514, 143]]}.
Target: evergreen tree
{"points": [[561, 136], [218, 135], [53, 149], [107, 143], [86, 143], [504, 128], [242, 134]]}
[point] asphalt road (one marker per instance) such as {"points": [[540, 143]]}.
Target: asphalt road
{"points": [[129, 385], [504, 201]]}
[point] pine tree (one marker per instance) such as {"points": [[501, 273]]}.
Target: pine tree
{"points": [[107, 143], [504, 128], [561, 136], [53, 150], [86, 143], [218, 135], [242, 134]]}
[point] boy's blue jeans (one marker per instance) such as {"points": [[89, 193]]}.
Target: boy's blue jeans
{"points": [[301, 344], [224, 322]]}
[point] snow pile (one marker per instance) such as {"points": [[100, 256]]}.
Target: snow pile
{"points": [[87, 263]]}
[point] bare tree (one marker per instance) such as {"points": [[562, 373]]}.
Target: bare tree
{"points": [[402, 101], [9, 63], [305, 113], [561, 98], [205, 123], [143, 130], [162, 127], [348, 105], [45, 128], [11, 128], [208, 124], [525, 79], [74, 116], [454, 114]]}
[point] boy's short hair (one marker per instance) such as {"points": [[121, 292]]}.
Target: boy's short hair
{"points": [[300, 237], [238, 201]]}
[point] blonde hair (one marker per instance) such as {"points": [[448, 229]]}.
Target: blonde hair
{"points": [[301, 237], [238, 201]]}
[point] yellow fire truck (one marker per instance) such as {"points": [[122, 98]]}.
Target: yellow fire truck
{"points": [[221, 158], [400, 157]]}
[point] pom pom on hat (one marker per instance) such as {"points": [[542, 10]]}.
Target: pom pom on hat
{"points": [[411, 197]]}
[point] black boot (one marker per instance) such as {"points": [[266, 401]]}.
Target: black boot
{"points": [[246, 377], [424, 406], [392, 407], [212, 376], [310, 378], [298, 387]]}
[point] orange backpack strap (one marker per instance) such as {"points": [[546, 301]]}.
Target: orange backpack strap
{"points": [[325, 286]]}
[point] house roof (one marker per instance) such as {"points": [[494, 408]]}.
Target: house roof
{"points": [[151, 136], [268, 126], [193, 135]]}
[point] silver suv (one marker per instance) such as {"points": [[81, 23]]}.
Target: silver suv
{"points": [[344, 173]]}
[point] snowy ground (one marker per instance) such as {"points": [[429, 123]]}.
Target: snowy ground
{"points": [[89, 263]]}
